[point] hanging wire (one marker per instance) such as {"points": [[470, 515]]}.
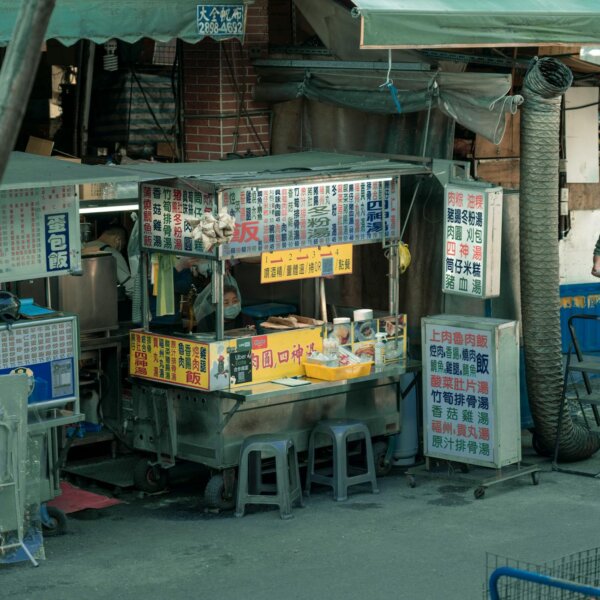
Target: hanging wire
{"points": [[389, 83]]}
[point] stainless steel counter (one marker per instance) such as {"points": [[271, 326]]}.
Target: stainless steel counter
{"points": [[318, 387]]}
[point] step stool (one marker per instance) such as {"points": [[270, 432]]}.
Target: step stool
{"points": [[339, 431], [251, 489]]}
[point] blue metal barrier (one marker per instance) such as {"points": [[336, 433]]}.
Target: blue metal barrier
{"points": [[541, 580]]}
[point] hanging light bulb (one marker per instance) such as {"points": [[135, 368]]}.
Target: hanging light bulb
{"points": [[111, 60]]}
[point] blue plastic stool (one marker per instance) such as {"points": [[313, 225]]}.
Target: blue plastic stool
{"points": [[339, 431], [251, 489]]}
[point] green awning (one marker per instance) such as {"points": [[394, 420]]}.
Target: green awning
{"points": [[464, 23], [131, 20], [33, 171]]}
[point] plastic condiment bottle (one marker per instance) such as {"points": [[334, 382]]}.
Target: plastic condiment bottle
{"points": [[380, 349]]}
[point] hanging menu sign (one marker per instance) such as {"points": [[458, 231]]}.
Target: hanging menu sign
{"points": [[472, 241], [316, 214], [39, 233], [288, 265], [458, 375], [168, 215]]}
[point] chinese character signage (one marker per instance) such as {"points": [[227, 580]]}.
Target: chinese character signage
{"points": [[287, 265], [472, 240], [220, 20], [214, 366], [467, 403], [46, 352], [39, 233], [167, 216], [316, 214]]}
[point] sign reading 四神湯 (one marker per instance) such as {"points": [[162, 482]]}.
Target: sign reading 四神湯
{"points": [[472, 241]]}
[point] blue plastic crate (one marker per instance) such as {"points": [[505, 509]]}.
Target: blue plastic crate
{"points": [[580, 298]]}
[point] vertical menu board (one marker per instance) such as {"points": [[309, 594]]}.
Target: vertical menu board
{"points": [[459, 421], [168, 214], [39, 233], [472, 238], [471, 390]]}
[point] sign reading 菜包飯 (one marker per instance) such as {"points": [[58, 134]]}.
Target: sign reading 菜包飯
{"points": [[221, 20], [288, 265], [471, 390], [39, 233], [472, 240]]}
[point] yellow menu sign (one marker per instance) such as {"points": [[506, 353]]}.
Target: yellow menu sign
{"points": [[304, 263], [169, 360]]}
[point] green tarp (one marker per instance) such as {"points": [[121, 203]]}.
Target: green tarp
{"points": [[128, 20], [463, 23]]}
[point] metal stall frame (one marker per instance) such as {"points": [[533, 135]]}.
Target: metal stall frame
{"points": [[208, 427], [32, 172]]}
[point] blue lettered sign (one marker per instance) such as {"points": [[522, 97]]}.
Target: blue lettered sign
{"points": [[221, 20], [56, 227]]}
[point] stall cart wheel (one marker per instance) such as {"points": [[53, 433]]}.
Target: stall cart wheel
{"points": [[149, 478], [479, 493], [379, 453], [535, 478], [214, 494], [412, 482], [56, 524]]}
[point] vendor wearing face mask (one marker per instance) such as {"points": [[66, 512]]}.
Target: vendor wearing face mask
{"points": [[114, 240], [232, 307]]}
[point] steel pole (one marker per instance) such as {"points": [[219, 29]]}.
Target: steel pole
{"points": [[18, 71]]}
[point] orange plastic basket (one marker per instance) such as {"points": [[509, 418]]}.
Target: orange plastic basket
{"points": [[337, 373]]}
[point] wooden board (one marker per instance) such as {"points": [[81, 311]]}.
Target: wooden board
{"points": [[584, 196], [509, 147], [501, 171]]}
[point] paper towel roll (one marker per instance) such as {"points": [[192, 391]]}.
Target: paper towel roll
{"points": [[363, 314]]}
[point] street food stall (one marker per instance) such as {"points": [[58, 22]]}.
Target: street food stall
{"points": [[40, 240], [198, 395]]}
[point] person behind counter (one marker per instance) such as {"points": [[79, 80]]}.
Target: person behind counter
{"points": [[204, 310], [114, 240]]}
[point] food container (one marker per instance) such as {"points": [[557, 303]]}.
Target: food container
{"points": [[337, 373], [342, 330], [362, 314]]}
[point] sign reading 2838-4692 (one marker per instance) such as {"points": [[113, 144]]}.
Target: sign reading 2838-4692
{"points": [[221, 20]]}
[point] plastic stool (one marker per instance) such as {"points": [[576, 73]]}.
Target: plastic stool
{"points": [[251, 487], [339, 430]]}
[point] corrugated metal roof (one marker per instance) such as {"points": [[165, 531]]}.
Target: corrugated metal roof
{"points": [[281, 167], [31, 170]]}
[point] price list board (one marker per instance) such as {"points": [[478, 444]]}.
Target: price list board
{"points": [[39, 233], [46, 351], [471, 390], [168, 217], [472, 241], [315, 214]]}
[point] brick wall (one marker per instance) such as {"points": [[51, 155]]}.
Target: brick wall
{"points": [[216, 77]]}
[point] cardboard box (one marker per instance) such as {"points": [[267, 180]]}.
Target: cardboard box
{"points": [[97, 191], [39, 146]]}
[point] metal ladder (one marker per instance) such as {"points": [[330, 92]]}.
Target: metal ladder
{"points": [[582, 392]]}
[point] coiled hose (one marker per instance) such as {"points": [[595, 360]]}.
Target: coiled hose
{"points": [[545, 83]]}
